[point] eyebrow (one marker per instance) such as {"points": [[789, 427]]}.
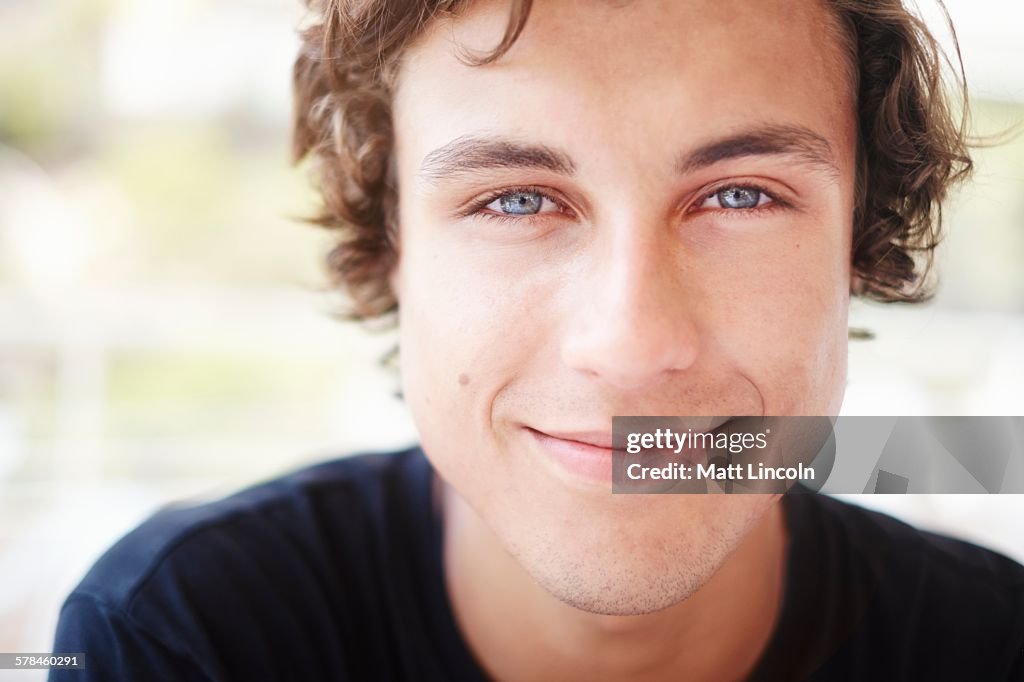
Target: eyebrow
{"points": [[802, 143], [471, 153]]}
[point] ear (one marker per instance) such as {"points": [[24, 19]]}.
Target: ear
{"points": [[393, 233], [858, 333], [856, 284], [395, 277]]}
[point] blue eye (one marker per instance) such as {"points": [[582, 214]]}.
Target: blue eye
{"points": [[737, 197], [520, 203]]}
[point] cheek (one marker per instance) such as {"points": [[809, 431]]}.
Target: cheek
{"points": [[452, 321], [463, 336], [788, 304], [469, 309]]}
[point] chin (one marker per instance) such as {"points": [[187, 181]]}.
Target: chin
{"points": [[657, 562]]}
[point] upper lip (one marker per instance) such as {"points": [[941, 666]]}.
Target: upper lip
{"points": [[599, 439]]}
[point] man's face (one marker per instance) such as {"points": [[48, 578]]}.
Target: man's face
{"points": [[641, 209]]}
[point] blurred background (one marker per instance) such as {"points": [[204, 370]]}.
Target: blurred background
{"points": [[165, 330]]}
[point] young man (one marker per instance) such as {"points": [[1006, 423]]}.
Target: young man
{"points": [[626, 208]]}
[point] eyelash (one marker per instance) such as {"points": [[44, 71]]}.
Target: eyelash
{"points": [[775, 202], [477, 208]]}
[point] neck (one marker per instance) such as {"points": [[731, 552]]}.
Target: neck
{"points": [[519, 631]]}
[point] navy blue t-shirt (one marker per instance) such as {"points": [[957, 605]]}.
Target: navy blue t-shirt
{"points": [[334, 572]]}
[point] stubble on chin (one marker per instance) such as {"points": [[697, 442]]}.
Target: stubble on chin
{"points": [[641, 575]]}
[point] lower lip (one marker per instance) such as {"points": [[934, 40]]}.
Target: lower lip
{"points": [[578, 459]]}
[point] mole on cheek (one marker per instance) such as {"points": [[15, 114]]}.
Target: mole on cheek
{"points": [[463, 379]]}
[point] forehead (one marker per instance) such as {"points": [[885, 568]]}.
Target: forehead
{"points": [[616, 79]]}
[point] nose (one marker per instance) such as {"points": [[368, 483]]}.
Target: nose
{"points": [[632, 323]]}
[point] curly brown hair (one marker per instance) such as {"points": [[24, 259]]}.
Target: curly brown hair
{"points": [[911, 149]]}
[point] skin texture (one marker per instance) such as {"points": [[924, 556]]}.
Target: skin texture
{"points": [[632, 292]]}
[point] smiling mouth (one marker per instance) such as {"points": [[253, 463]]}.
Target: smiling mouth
{"points": [[601, 440], [585, 455], [590, 455]]}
